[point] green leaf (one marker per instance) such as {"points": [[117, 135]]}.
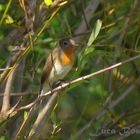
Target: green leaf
{"points": [[48, 2], [6, 10], [89, 50], [2, 137], [25, 115], [1, 7], [94, 32], [82, 58], [9, 19], [53, 118]]}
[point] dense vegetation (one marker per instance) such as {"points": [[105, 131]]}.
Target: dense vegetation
{"points": [[103, 105]]}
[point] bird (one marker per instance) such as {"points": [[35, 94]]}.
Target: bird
{"points": [[58, 64]]}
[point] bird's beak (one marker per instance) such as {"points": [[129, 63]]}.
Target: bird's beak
{"points": [[74, 44]]}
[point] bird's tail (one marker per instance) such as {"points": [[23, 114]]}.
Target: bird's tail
{"points": [[43, 89]]}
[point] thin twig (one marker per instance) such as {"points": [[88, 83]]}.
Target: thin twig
{"points": [[23, 125], [1, 70], [90, 9], [21, 94]]}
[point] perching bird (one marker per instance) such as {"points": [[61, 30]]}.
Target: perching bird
{"points": [[58, 64]]}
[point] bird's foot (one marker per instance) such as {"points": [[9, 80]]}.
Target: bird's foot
{"points": [[59, 83]]}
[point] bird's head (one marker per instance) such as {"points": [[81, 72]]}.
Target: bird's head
{"points": [[68, 45]]}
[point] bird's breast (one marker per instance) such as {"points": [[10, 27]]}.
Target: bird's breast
{"points": [[59, 71]]}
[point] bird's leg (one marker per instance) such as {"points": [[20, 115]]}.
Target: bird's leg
{"points": [[59, 82], [51, 87]]}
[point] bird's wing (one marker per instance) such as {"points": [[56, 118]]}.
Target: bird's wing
{"points": [[48, 66]]}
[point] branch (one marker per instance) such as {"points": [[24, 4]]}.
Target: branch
{"points": [[1, 70], [92, 75], [45, 113], [48, 107], [73, 82], [6, 95], [88, 12], [79, 80], [21, 94]]}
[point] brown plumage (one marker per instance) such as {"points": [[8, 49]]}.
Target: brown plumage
{"points": [[48, 66]]}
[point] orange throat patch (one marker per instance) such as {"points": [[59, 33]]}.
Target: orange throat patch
{"points": [[67, 57]]}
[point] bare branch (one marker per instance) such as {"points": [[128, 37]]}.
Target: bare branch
{"points": [[6, 97], [1, 70], [92, 75], [21, 94], [79, 80], [45, 113]]}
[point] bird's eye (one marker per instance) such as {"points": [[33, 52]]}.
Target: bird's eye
{"points": [[65, 43]]}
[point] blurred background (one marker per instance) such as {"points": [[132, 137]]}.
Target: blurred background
{"points": [[97, 108]]}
